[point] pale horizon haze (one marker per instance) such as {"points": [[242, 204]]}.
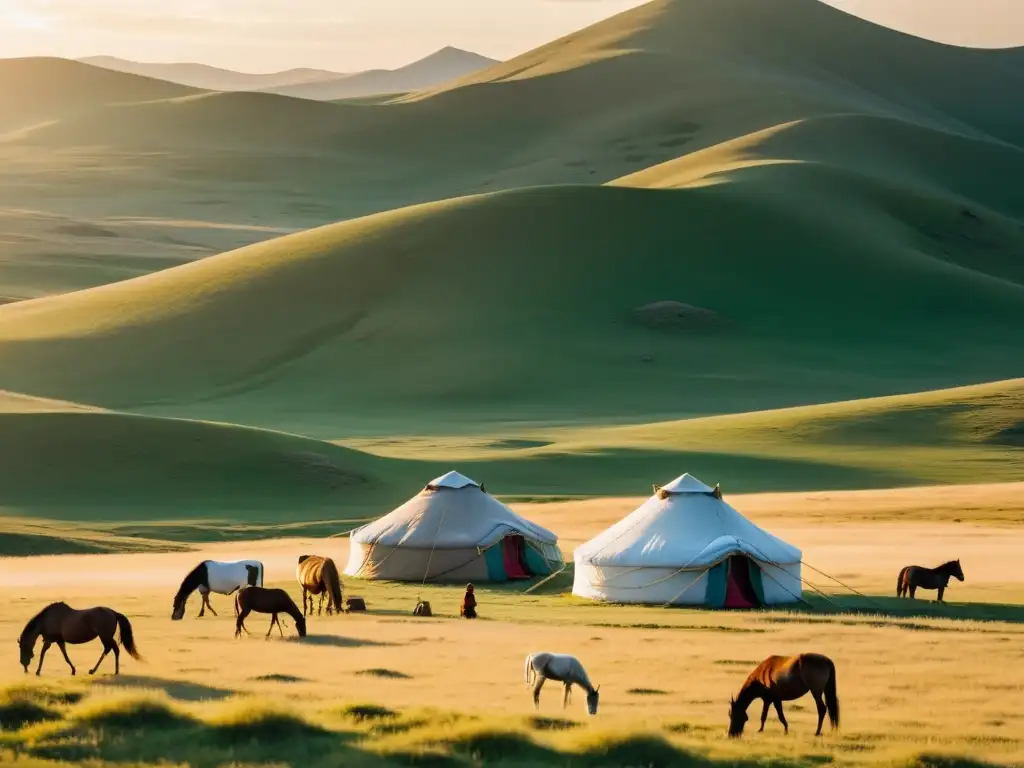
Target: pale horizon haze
{"points": [[352, 35]]}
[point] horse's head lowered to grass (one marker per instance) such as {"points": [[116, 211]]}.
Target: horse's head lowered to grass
{"points": [[27, 652], [592, 698], [737, 719]]}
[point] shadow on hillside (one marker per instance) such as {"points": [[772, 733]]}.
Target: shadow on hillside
{"points": [[901, 608], [183, 690]]}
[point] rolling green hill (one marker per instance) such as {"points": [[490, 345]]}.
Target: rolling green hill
{"points": [[77, 479], [540, 304], [97, 465], [964, 435]]}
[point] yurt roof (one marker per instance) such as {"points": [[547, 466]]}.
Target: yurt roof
{"points": [[454, 480], [688, 527], [450, 513]]}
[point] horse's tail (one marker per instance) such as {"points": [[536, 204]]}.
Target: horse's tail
{"points": [[127, 636], [332, 580], [530, 671], [899, 582], [832, 698]]}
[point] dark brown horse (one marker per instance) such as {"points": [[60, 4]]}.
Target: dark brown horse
{"points": [[263, 600], [319, 576], [785, 678], [914, 577], [60, 623]]}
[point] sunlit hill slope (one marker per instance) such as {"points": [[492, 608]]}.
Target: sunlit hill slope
{"points": [[691, 209]]}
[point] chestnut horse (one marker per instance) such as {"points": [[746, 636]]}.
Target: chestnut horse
{"points": [[319, 576], [914, 577], [785, 678], [60, 623], [263, 600]]}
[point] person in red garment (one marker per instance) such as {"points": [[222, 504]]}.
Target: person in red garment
{"points": [[468, 609]]}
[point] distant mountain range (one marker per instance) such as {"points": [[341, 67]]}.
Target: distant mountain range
{"points": [[323, 85]]}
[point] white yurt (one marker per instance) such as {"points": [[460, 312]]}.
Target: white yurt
{"points": [[452, 530], [686, 546]]}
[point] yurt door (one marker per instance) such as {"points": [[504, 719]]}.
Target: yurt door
{"points": [[513, 548], [739, 592]]}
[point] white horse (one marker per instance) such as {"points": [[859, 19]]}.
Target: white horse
{"points": [[222, 578], [564, 669]]}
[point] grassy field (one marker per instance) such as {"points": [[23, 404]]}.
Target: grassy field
{"points": [[919, 684]]}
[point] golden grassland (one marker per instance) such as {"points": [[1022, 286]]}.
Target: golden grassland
{"points": [[919, 684]]}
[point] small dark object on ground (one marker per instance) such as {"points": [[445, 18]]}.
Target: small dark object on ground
{"points": [[422, 609], [356, 604]]}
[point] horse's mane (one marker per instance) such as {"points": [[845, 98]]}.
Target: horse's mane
{"points": [[192, 580], [947, 564], [37, 618]]}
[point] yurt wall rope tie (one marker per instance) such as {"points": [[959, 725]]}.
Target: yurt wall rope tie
{"points": [[812, 586], [800, 598], [686, 589], [672, 575], [433, 544]]}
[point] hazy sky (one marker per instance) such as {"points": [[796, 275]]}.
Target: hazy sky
{"points": [[264, 35]]}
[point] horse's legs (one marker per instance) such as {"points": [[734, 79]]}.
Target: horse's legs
{"points": [[320, 605], [117, 658], [46, 645], [536, 690], [913, 591], [941, 591], [764, 714], [64, 652], [821, 710], [782, 717], [206, 599], [240, 622], [106, 650], [568, 695]]}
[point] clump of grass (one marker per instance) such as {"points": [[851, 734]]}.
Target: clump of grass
{"points": [[541, 723], [364, 712], [136, 712], [647, 692], [249, 722], [646, 750], [388, 674], [21, 706], [276, 678], [493, 745], [43, 694]]}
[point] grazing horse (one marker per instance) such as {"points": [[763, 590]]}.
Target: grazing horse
{"points": [[564, 669], [914, 577], [785, 678], [222, 578], [319, 576], [273, 601], [60, 623]]}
